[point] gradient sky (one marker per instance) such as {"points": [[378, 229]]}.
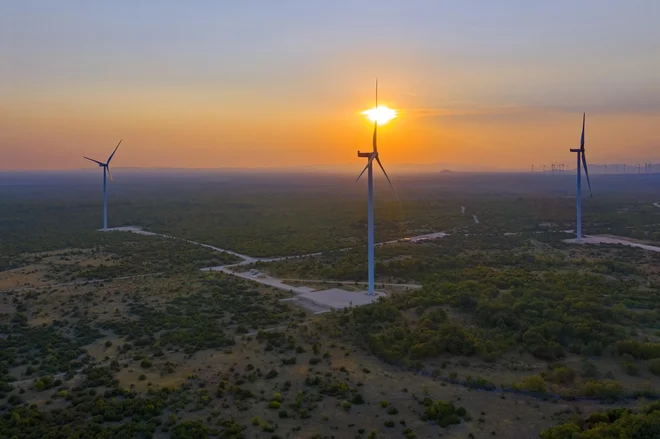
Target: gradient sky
{"points": [[272, 83]]}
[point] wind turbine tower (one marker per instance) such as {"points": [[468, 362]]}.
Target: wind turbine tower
{"points": [[379, 115], [581, 159], [106, 170]]}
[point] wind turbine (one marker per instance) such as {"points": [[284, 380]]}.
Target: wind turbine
{"points": [[581, 156], [106, 170], [378, 115]]}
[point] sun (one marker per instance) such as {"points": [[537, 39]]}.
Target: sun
{"points": [[381, 114]]}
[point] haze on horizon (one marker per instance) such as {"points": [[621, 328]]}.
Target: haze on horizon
{"points": [[252, 84]]}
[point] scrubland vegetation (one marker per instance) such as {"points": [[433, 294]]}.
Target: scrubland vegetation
{"points": [[513, 333]]}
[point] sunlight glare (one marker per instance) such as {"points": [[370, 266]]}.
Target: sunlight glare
{"points": [[380, 114]]}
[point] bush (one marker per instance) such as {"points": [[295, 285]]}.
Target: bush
{"points": [[190, 429], [618, 423], [444, 413], [357, 399], [607, 390], [534, 383], [589, 369], [449, 420], [272, 374], [389, 423], [630, 368], [146, 363], [392, 411], [639, 350], [654, 366], [274, 405], [39, 386]]}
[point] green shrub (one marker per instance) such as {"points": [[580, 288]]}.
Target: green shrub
{"points": [[589, 369], [654, 366], [534, 383], [357, 399], [444, 413], [630, 368], [607, 390]]}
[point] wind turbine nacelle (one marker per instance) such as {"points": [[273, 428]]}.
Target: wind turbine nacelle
{"points": [[364, 154], [576, 150]]}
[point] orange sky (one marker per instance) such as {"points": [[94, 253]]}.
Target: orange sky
{"points": [[183, 91], [199, 133]]}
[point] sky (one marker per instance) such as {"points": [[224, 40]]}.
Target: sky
{"points": [[213, 84]]}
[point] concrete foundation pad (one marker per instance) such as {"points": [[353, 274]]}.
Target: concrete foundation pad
{"points": [[133, 229], [339, 299]]}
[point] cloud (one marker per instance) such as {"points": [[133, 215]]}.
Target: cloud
{"points": [[470, 111], [645, 105]]}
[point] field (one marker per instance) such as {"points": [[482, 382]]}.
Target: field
{"points": [[505, 329]]}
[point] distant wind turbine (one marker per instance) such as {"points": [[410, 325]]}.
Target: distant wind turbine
{"points": [[378, 115], [583, 158], [106, 169]]}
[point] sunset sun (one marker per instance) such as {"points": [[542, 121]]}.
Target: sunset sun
{"points": [[381, 114]]}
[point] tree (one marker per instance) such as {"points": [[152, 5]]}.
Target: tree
{"points": [[190, 430]]}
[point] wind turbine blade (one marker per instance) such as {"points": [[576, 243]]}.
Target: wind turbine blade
{"points": [[113, 152], [375, 141], [586, 171], [371, 159], [109, 173], [92, 160], [582, 138], [388, 178]]}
